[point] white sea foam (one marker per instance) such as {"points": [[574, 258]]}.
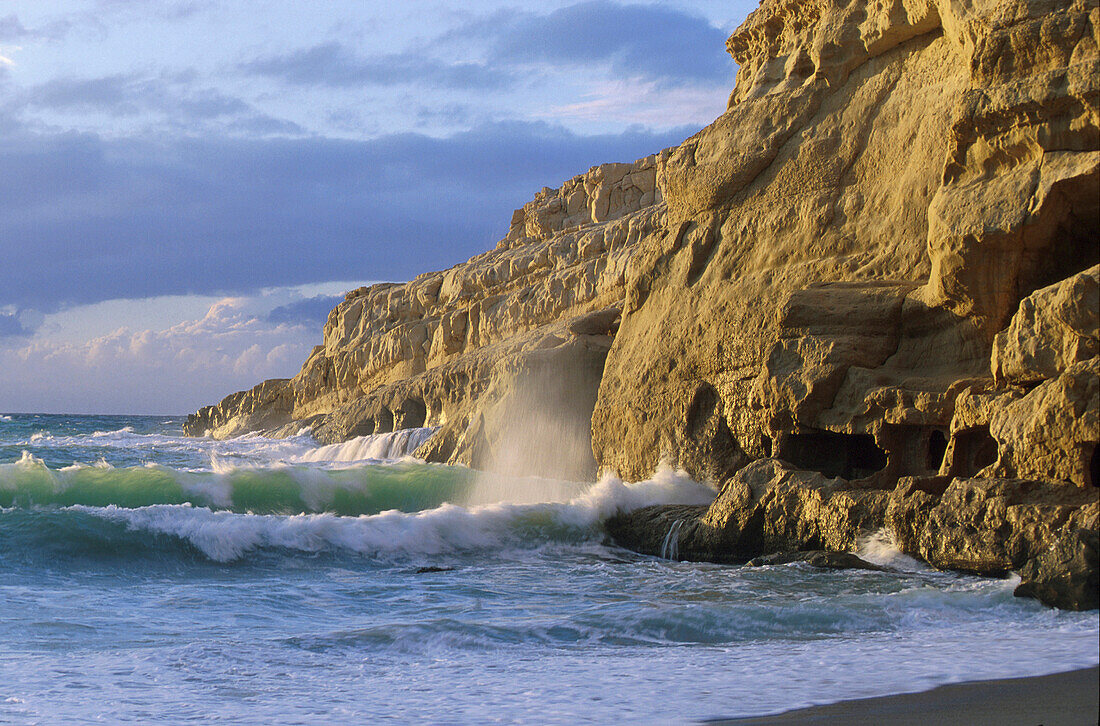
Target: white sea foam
{"points": [[116, 433], [243, 452], [880, 548], [216, 490], [4, 417], [27, 460], [99, 463], [377, 447]]}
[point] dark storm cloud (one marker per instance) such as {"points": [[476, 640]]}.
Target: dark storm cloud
{"points": [[648, 41], [332, 64], [85, 218]]}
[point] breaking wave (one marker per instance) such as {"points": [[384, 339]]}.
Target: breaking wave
{"points": [[223, 535]]}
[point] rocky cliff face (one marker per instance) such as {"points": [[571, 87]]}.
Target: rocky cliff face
{"points": [[843, 244], [874, 276]]}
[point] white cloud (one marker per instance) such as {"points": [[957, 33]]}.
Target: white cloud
{"points": [[170, 370]]}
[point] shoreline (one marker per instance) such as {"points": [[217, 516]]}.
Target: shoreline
{"points": [[1059, 699]]}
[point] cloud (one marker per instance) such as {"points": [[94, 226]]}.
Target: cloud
{"points": [[12, 29], [127, 95], [649, 42], [311, 311], [86, 218], [332, 64], [642, 102], [10, 326], [19, 323], [173, 370]]}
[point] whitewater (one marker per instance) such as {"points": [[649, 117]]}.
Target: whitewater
{"points": [[145, 576]]}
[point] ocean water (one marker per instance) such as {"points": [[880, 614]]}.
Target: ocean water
{"points": [[146, 577]]}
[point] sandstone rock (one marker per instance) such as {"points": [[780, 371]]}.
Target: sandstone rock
{"points": [[767, 507], [606, 192], [820, 281], [659, 529], [985, 526], [426, 352], [1053, 431], [1065, 576], [1054, 328], [267, 405]]}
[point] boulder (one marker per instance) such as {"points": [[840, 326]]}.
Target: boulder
{"points": [[1065, 576], [1053, 431], [1054, 329], [996, 526]]}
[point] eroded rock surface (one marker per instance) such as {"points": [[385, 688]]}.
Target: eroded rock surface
{"points": [[766, 507]]}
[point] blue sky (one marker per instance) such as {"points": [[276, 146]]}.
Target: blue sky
{"points": [[187, 185]]}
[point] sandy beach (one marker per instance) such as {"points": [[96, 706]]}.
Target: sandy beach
{"points": [[1061, 699]]}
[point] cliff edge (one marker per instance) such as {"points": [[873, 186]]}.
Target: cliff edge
{"points": [[867, 295]]}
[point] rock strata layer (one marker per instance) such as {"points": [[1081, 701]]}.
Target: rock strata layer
{"points": [[866, 296]]}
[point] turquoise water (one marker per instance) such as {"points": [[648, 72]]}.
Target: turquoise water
{"points": [[149, 577]]}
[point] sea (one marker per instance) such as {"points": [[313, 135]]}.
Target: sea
{"points": [[146, 577]]}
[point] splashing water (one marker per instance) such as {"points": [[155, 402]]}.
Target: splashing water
{"points": [[670, 547]]}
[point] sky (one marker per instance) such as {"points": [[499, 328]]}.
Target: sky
{"points": [[187, 187]]}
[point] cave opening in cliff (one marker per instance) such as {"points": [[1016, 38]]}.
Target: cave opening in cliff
{"points": [[974, 449], [385, 421], [937, 448], [413, 414], [849, 456], [1070, 245]]}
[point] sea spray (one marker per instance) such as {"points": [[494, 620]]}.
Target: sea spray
{"points": [[535, 434], [880, 548]]}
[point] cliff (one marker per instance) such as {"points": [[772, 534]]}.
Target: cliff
{"points": [[865, 295]]}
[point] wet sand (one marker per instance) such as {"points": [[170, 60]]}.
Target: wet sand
{"points": [[1062, 699]]}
